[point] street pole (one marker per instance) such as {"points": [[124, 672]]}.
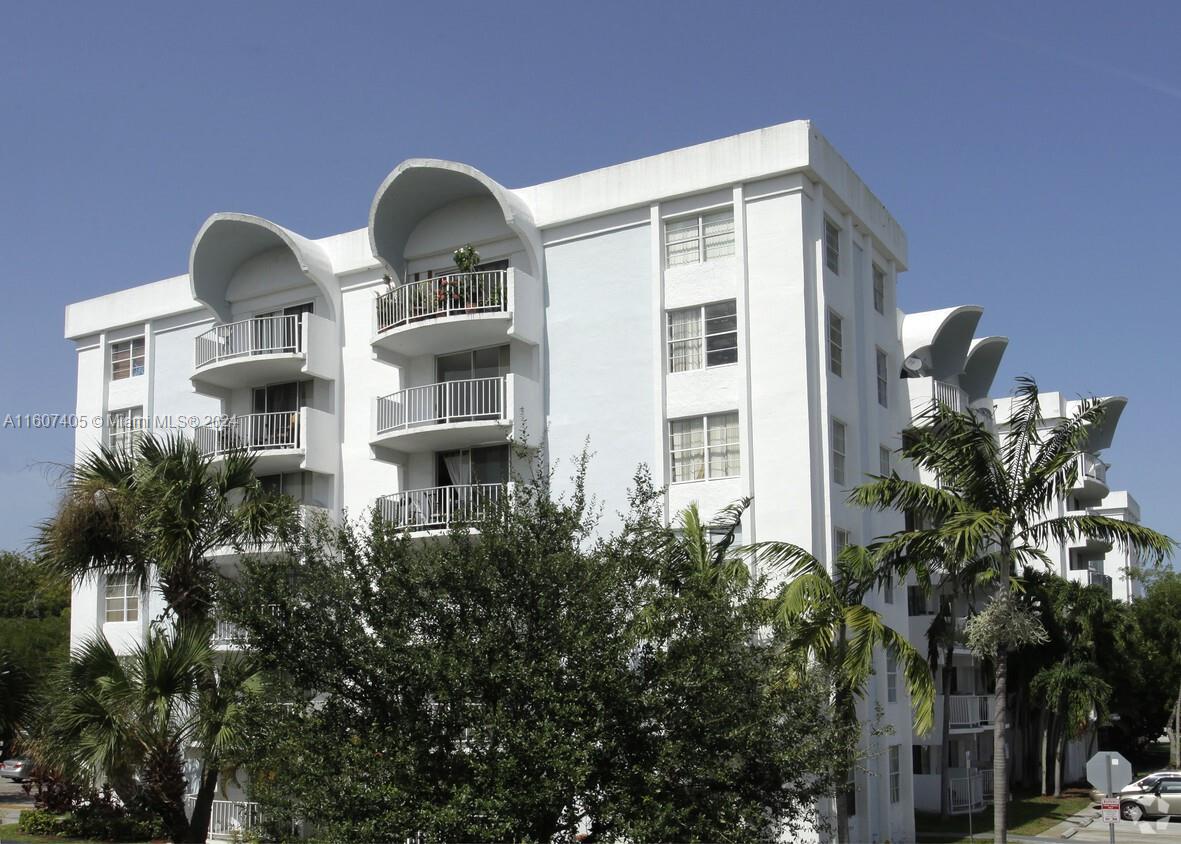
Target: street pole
{"points": [[1110, 826]]}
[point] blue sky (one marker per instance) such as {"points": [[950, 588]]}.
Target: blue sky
{"points": [[1028, 149]]}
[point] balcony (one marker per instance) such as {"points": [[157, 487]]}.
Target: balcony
{"points": [[227, 636], [263, 350], [229, 820], [970, 712], [439, 508], [458, 311], [448, 415], [1092, 476], [282, 441], [925, 392], [969, 790]]}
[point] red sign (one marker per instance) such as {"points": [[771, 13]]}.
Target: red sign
{"points": [[1110, 808]]}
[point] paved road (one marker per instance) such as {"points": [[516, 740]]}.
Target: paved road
{"points": [[12, 801]]}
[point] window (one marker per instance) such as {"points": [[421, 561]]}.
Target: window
{"points": [[879, 289], [891, 677], [916, 601], [925, 759], [888, 590], [883, 365], [895, 773], [841, 539], [124, 428], [704, 448], [702, 237], [1170, 786], [836, 343], [706, 335], [298, 485], [883, 461], [832, 246], [838, 451], [122, 594], [127, 359]]}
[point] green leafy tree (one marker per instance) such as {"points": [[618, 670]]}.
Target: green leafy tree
{"points": [[128, 721], [991, 503], [159, 512], [1157, 619], [824, 617]]}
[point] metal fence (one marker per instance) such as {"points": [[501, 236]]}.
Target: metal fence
{"points": [[438, 404], [257, 336], [445, 295]]}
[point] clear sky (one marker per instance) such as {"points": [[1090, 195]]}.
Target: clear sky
{"points": [[1030, 150]]}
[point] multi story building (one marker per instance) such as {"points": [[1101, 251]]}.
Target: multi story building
{"points": [[723, 313]]}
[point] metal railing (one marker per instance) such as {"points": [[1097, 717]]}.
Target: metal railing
{"points": [[1092, 468], [228, 816], [951, 395], [253, 432], [442, 296], [439, 404], [227, 634], [257, 336], [969, 712], [440, 506], [970, 793], [1098, 578]]}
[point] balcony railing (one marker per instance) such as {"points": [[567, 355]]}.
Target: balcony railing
{"points": [[951, 395], [439, 507], [447, 295], [971, 791], [228, 817], [258, 336], [253, 432], [1098, 578], [969, 712], [227, 634], [439, 404], [1091, 468]]}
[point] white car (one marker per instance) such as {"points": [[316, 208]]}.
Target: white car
{"points": [[16, 769], [1153, 796]]}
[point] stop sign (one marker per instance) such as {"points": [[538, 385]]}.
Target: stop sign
{"points": [[1109, 771]]}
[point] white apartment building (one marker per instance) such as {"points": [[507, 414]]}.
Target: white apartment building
{"points": [[724, 313]]}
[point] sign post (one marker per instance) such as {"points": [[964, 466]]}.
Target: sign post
{"points": [[1111, 772]]}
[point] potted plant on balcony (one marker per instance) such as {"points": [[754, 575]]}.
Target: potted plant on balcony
{"points": [[456, 289]]}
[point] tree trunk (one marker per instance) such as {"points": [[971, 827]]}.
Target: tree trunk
{"points": [[1042, 761], [1059, 753], [945, 737], [845, 705], [1175, 735], [203, 807]]}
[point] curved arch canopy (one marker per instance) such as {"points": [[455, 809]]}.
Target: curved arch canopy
{"points": [[227, 240], [984, 358], [419, 186], [941, 339]]}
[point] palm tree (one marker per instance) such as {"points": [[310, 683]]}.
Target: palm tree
{"points": [[1071, 691], [157, 512], [128, 721], [826, 621], [991, 503], [14, 699]]}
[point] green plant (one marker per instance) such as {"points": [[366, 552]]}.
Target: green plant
{"points": [[466, 258]]}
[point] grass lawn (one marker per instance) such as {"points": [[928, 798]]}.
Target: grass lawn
{"points": [[1028, 815], [10, 834]]}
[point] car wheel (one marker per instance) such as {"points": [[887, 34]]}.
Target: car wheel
{"points": [[1131, 811]]}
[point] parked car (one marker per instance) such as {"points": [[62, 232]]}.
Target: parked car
{"points": [[17, 768], [1153, 796]]}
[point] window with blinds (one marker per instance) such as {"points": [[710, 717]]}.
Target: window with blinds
{"points": [[703, 336], [839, 432], [702, 237], [122, 598], [127, 359], [879, 289], [836, 343], [703, 448]]}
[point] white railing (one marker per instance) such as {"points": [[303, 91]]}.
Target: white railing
{"points": [[253, 432], [968, 712], [258, 336], [228, 816], [1098, 578], [951, 395], [966, 794], [438, 404], [432, 298], [227, 634], [1092, 468], [438, 507]]}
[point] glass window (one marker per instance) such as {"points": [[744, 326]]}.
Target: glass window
{"points": [[895, 773], [836, 343], [705, 335], [883, 369], [838, 451], [879, 289], [127, 359], [832, 246], [884, 461], [124, 428], [122, 598], [841, 539], [891, 677], [888, 590], [702, 237], [703, 448]]}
